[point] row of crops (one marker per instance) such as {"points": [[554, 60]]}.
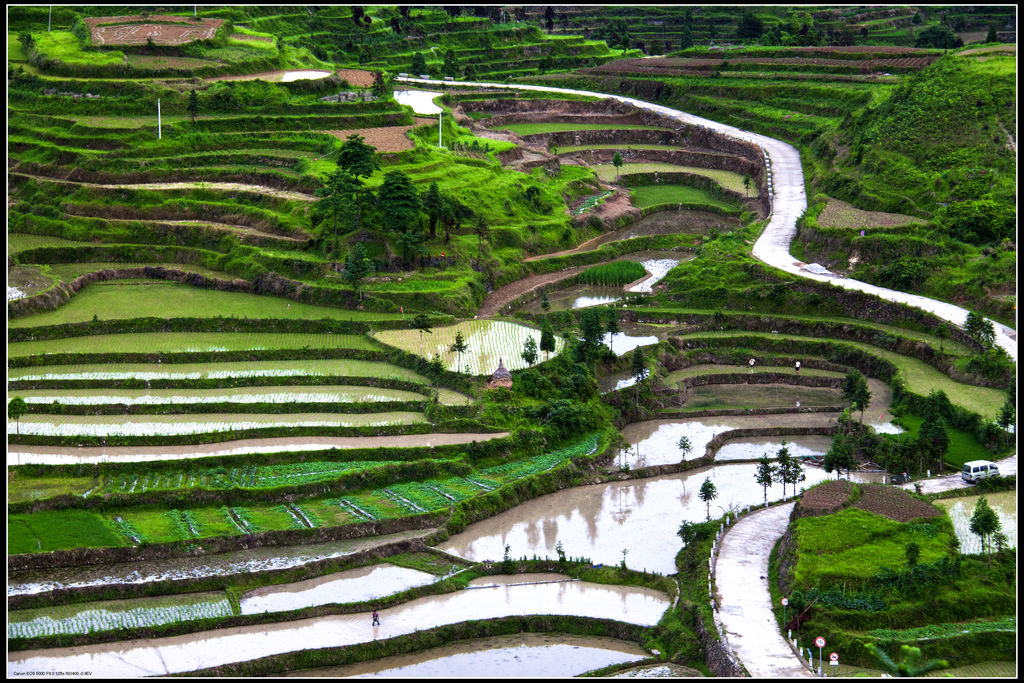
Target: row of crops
{"points": [[50, 530]]}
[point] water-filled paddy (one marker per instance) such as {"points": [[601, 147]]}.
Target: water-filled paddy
{"points": [[177, 371], [194, 342], [287, 395], [487, 598], [421, 101], [799, 447], [353, 585], [197, 423], [655, 442], [537, 655], [577, 296], [658, 268], [236, 562], [601, 520], [488, 341], [52, 455], [961, 509], [115, 614]]}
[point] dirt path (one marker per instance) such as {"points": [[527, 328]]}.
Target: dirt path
{"points": [[188, 185], [502, 296]]}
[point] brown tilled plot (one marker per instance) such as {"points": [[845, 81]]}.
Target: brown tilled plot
{"points": [[894, 503], [165, 29], [386, 138], [825, 498], [359, 78]]}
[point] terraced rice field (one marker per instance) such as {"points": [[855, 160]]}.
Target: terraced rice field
{"points": [[189, 342], [169, 425], [961, 509], [538, 128], [839, 214], [125, 300], [115, 614], [727, 179], [489, 341], [212, 371], [277, 395]]}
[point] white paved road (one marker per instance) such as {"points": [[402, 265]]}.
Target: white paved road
{"points": [[746, 608], [789, 201]]}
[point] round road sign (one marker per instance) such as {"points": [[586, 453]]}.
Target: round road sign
{"points": [[819, 641], [834, 658], [785, 601]]}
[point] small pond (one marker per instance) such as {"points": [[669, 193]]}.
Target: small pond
{"points": [[289, 76], [576, 296]]}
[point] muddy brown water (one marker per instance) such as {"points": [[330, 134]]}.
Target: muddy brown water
{"points": [[236, 562], [599, 521], [487, 598], [519, 656], [54, 455]]}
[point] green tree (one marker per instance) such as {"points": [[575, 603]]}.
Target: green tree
{"points": [[529, 353], [193, 106], [433, 204], [357, 157], [638, 370], [684, 445], [910, 664], [547, 338], [934, 441], [591, 329], [357, 267], [992, 36], [855, 390], [545, 303], [913, 552], [981, 330], [398, 203], [419, 64], [612, 325], [482, 233], [16, 409], [708, 493], [422, 323], [789, 469], [746, 183], [460, 346], [1007, 414], [984, 523], [338, 200], [451, 64], [938, 36], [436, 371], [617, 163], [839, 455], [765, 475], [686, 35], [749, 27]]}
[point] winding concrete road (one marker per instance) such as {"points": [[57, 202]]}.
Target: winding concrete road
{"points": [[789, 201]]}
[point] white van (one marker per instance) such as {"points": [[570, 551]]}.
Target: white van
{"points": [[978, 469]]}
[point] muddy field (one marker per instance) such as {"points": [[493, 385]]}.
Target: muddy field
{"points": [[121, 30], [894, 503], [385, 139], [359, 78]]}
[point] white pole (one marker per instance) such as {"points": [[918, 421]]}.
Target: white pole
{"points": [[48, 18], [159, 133], [441, 114]]}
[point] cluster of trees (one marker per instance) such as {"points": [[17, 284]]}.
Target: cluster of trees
{"points": [[396, 207]]}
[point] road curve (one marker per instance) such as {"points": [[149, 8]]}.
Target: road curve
{"points": [[789, 201]]}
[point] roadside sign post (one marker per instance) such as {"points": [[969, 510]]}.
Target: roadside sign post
{"points": [[820, 642], [833, 659], [785, 601]]}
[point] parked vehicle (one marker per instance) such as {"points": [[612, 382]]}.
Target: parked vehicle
{"points": [[978, 469]]}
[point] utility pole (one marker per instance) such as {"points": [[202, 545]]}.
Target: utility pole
{"points": [[439, 117], [48, 18], [159, 132]]}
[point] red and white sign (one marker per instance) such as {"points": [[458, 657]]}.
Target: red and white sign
{"points": [[785, 601], [834, 658], [819, 641]]}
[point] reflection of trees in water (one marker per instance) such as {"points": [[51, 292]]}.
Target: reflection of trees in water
{"points": [[550, 528], [622, 509], [533, 534]]}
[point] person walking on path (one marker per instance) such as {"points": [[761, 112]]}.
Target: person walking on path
{"points": [[751, 365], [796, 368], [376, 619]]}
